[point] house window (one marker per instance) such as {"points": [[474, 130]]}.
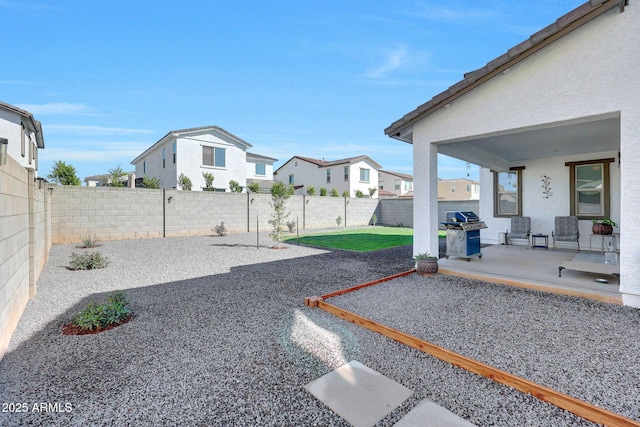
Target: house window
{"points": [[364, 175], [174, 153], [35, 156], [164, 157], [397, 184], [381, 185], [507, 193], [328, 175], [468, 188], [30, 151], [346, 173], [261, 169], [291, 179], [589, 182], [144, 166], [22, 137], [213, 156], [408, 185]]}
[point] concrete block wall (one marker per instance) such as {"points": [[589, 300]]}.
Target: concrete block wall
{"points": [[24, 243], [395, 212], [323, 211], [359, 211]]}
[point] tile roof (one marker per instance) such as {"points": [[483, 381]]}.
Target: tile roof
{"points": [[562, 26], [398, 174]]}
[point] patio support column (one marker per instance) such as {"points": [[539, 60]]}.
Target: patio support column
{"points": [[425, 203], [629, 204]]}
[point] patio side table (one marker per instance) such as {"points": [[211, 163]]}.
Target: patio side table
{"points": [[543, 237]]}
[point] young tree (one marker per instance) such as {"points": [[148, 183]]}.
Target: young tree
{"points": [[323, 191], [63, 174], [280, 193], [311, 190], [372, 191], [235, 186], [208, 181], [254, 187], [359, 194], [345, 193], [184, 182], [148, 182], [334, 192], [115, 177]]}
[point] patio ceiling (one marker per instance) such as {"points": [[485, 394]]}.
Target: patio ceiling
{"points": [[501, 150]]}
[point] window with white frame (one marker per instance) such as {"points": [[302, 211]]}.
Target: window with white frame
{"points": [[507, 193], [381, 185], [408, 185], [328, 175], [590, 196], [346, 173], [213, 156], [397, 184], [261, 169], [364, 175], [164, 157], [291, 179]]}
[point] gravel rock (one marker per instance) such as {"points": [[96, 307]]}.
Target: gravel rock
{"points": [[222, 337]]}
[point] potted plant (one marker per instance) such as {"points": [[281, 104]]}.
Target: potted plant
{"points": [[603, 226], [426, 264]]}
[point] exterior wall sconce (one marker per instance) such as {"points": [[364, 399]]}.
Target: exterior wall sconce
{"points": [[170, 199], [4, 146]]}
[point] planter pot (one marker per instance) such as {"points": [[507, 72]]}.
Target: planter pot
{"points": [[602, 229], [427, 266]]}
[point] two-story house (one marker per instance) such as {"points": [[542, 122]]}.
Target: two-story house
{"points": [[345, 175], [394, 184], [20, 136], [458, 189], [197, 150]]}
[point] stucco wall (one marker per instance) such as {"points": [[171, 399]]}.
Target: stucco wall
{"points": [[24, 243]]}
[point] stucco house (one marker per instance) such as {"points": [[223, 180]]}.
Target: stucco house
{"points": [[102, 180], [395, 184], [21, 135], [458, 189], [202, 149], [562, 106], [350, 174]]}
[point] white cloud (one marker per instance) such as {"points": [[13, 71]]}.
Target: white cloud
{"points": [[56, 108], [93, 130], [394, 59]]}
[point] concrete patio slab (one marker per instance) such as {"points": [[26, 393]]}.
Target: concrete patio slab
{"points": [[358, 394], [429, 414]]}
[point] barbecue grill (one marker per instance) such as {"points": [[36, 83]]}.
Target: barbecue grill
{"points": [[463, 234]]}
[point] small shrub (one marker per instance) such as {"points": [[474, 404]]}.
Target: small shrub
{"points": [[334, 192], [220, 229], [372, 191], [339, 221], [291, 225], [359, 194], [208, 181], [254, 187], [323, 191], [235, 186], [88, 261], [345, 193], [89, 242], [311, 191], [96, 316], [374, 219], [184, 182], [151, 182]]}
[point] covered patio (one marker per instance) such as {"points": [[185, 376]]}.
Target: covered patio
{"points": [[534, 269]]}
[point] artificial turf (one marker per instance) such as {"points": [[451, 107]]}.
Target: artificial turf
{"points": [[359, 239]]}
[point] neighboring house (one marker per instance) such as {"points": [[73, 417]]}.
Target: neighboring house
{"points": [[103, 180], [394, 184], [203, 149], [260, 170], [563, 104], [352, 174], [21, 134], [458, 189]]}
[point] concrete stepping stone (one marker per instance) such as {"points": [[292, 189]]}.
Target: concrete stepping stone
{"points": [[429, 414], [358, 394]]}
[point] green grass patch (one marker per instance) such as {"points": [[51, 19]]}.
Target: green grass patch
{"points": [[360, 239]]}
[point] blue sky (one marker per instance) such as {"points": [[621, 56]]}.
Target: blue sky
{"points": [[322, 79]]}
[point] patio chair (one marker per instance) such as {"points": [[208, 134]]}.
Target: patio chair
{"points": [[566, 231], [520, 229]]}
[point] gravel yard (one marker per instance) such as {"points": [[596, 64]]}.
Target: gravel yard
{"points": [[222, 337]]}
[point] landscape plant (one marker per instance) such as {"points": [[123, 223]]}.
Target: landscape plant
{"points": [[339, 221], [63, 174], [253, 187], [89, 242], [151, 182], [221, 229], [359, 194], [184, 182], [88, 261], [323, 191], [374, 219], [291, 225], [334, 193], [311, 190], [280, 193], [115, 177], [345, 193], [372, 191], [208, 181], [97, 316], [235, 186]]}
